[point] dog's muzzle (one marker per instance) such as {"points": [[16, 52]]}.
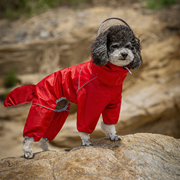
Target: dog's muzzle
{"points": [[124, 55]]}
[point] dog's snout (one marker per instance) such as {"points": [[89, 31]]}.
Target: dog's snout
{"points": [[124, 54]]}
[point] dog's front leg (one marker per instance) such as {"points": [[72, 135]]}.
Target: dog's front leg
{"points": [[44, 144], [27, 147], [85, 138], [110, 131]]}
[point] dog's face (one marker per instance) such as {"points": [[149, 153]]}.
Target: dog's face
{"points": [[117, 45], [120, 55]]}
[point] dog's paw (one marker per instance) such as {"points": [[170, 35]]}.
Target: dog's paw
{"points": [[44, 144], [28, 155], [85, 142], [114, 137]]}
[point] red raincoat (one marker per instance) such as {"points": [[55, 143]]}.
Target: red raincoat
{"points": [[96, 90]]}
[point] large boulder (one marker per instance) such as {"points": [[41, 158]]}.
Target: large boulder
{"points": [[138, 156]]}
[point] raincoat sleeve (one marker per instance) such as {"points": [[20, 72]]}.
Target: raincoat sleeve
{"points": [[112, 111], [88, 110]]}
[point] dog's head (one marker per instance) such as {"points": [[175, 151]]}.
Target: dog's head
{"points": [[117, 45]]}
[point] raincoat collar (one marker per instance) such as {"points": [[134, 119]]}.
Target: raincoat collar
{"points": [[110, 74]]}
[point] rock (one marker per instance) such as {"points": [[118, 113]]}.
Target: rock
{"points": [[138, 156], [72, 37], [169, 15], [44, 34], [8, 40], [21, 35]]}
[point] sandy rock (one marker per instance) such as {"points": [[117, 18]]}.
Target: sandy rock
{"points": [[15, 114], [72, 37], [138, 156], [44, 34]]}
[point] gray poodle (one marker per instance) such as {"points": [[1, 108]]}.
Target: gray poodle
{"points": [[95, 86]]}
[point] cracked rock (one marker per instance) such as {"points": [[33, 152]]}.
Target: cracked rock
{"points": [[138, 156]]}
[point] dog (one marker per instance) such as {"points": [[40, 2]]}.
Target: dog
{"points": [[95, 86]]}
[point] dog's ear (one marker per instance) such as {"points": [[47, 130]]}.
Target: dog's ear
{"points": [[137, 61], [99, 50]]}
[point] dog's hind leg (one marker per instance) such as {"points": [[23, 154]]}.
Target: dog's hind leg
{"points": [[27, 147], [44, 144], [85, 138], [110, 131]]}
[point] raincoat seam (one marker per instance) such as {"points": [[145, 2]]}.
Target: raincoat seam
{"points": [[79, 80], [43, 106], [60, 110], [85, 84]]}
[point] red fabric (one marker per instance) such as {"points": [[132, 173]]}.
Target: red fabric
{"points": [[95, 89], [20, 95]]}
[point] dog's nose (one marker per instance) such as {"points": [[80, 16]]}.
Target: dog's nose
{"points": [[124, 54]]}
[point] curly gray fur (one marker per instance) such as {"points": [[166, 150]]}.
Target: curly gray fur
{"points": [[122, 35]]}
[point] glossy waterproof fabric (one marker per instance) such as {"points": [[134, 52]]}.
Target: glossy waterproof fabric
{"points": [[96, 90]]}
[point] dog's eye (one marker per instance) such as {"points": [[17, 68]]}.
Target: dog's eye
{"points": [[114, 46], [129, 47]]}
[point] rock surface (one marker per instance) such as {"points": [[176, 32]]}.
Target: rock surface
{"points": [[138, 156], [73, 32]]}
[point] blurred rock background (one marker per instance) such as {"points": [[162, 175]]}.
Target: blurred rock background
{"points": [[40, 37]]}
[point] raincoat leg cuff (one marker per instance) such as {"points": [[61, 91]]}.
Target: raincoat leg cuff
{"points": [[26, 137]]}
